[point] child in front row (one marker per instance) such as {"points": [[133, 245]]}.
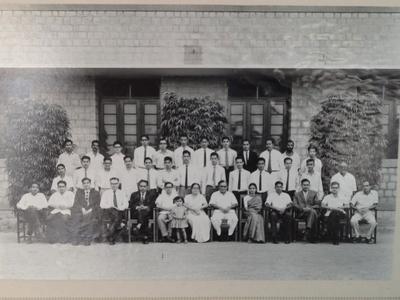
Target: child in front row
{"points": [[179, 221]]}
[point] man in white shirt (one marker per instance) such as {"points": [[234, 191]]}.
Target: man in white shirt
{"points": [[161, 154], [289, 152], [128, 177], [262, 179], [33, 206], [202, 156], [178, 153], [227, 156], [314, 178], [273, 158], [150, 175], [335, 204], [114, 203], [84, 172], [224, 203], [211, 175], [290, 177], [118, 158], [348, 185], [281, 209], [104, 175], [62, 176], [188, 174], [312, 154], [364, 202], [142, 152], [165, 202], [167, 175], [58, 222], [239, 179], [96, 158], [69, 159]]}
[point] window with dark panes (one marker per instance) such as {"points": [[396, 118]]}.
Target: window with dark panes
{"points": [[390, 126], [125, 118]]}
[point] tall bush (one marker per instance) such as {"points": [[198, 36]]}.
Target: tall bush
{"points": [[33, 139], [196, 117], [348, 129]]}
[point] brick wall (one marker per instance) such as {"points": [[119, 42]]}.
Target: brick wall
{"points": [[3, 184], [133, 39], [75, 93], [387, 194]]}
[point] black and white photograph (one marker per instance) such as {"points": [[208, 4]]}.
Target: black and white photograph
{"points": [[198, 142]]}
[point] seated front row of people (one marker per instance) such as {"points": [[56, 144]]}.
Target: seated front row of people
{"points": [[79, 218]]}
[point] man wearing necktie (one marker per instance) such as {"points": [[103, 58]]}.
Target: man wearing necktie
{"points": [[84, 172], [188, 174], [202, 155], [141, 206], [290, 177], [141, 153], [265, 181], [212, 175], [273, 158], [250, 157], [114, 203], [86, 214], [239, 179], [227, 156], [150, 175]]}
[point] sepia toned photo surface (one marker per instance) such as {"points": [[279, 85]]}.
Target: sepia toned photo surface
{"points": [[198, 142]]}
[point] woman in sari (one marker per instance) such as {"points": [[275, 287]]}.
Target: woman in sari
{"points": [[197, 218], [254, 227]]}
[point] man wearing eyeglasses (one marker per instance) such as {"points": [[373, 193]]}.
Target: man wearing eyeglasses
{"points": [[161, 154]]}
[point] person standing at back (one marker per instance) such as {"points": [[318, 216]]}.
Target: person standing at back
{"points": [[227, 156], [312, 154], [96, 158], [69, 158], [249, 157], [348, 185], [289, 152], [141, 153], [178, 153], [118, 164], [202, 156], [161, 154], [273, 158]]}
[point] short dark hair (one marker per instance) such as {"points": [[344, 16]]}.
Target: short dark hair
{"points": [[186, 152], [312, 147], [310, 160], [214, 154], [178, 198], [62, 182], [95, 141], [148, 158], [60, 165], [221, 181], [141, 181], [107, 159], [85, 157], [246, 140], [261, 159], [335, 183], [290, 141], [204, 138], [225, 138], [168, 182], [239, 157], [305, 180], [270, 138], [117, 143], [278, 182], [67, 141], [287, 159], [114, 178], [183, 135], [86, 179], [168, 158], [127, 156], [145, 136]]}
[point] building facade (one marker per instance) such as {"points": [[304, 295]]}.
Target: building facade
{"points": [[110, 67]]}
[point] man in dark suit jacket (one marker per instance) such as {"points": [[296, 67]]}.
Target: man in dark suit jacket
{"points": [[305, 203], [249, 157], [86, 214], [141, 205]]}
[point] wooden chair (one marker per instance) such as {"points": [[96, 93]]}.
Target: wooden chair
{"points": [[243, 218], [345, 227], [296, 221], [267, 222], [363, 222], [22, 226], [152, 223]]}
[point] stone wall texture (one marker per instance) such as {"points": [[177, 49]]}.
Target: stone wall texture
{"points": [[133, 39]]}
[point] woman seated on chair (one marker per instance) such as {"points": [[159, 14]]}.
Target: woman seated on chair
{"points": [[254, 228], [33, 205], [197, 218]]}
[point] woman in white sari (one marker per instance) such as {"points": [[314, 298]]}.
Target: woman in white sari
{"points": [[198, 219]]}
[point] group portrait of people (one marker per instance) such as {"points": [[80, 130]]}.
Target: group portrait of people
{"points": [[195, 195]]}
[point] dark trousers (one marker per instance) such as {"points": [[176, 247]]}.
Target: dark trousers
{"points": [[85, 228], [143, 217], [58, 228], [113, 229], [333, 224], [286, 221], [311, 217], [227, 172], [34, 218], [209, 190]]}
